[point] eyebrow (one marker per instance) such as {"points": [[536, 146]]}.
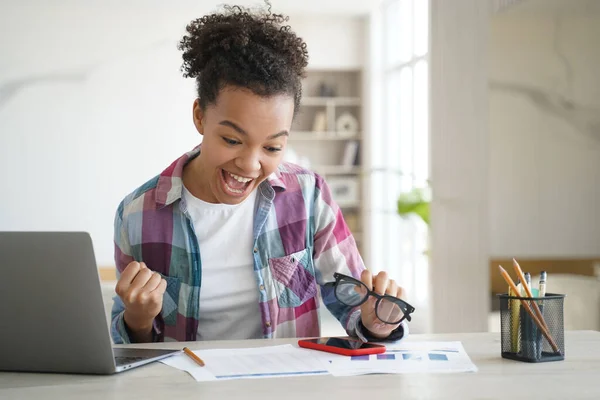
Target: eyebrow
{"points": [[243, 132]]}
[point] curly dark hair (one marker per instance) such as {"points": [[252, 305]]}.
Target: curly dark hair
{"points": [[251, 50]]}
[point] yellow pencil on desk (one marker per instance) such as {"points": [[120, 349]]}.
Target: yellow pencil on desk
{"points": [[515, 310], [524, 303], [193, 356]]}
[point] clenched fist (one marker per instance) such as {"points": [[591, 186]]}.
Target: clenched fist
{"points": [[383, 286], [142, 293]]}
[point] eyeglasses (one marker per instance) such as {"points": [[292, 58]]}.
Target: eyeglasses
{"points": [[352, 292]]}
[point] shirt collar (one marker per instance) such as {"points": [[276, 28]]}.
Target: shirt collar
{"points": [[169, 187]]}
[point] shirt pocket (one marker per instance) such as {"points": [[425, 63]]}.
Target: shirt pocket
{"points": [[294, 278], [170, 305]]}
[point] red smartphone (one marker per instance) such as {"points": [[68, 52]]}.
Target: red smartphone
{"points": [[346, 347]]}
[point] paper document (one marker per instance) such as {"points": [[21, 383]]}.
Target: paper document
{"points": [[260, 362], [407, 357]]}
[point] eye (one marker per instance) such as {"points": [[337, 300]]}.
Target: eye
{"points": [[273, 149], [231, 142]]}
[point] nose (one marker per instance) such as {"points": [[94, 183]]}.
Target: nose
{"points": [[249, 162]]}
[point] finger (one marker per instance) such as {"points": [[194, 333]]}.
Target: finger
{"points": [[380, 282], [360, 290], [130, 271], [392, 288], [152, 283], [140, 279], [400, 292], [388, 310], [161, 288], [367, 278], [127, 277]]}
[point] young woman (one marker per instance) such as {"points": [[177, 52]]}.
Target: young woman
{"points": [[230, 242]]}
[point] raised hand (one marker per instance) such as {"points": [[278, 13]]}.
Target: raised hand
{"points": [[141, 290]]}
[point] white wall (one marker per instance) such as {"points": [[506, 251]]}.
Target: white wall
{"points": [[333, 43], [92, 104], [545, 135]]}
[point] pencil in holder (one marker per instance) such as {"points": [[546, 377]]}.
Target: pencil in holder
{"points": [[527, 337]]}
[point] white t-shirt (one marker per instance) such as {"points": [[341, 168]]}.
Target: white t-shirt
{"points": [[228, 293]]}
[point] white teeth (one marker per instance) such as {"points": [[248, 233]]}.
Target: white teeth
{"points": [[239, 178], [234, 190]]}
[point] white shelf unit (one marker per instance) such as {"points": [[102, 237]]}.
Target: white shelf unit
{"points": [[324, 149]]}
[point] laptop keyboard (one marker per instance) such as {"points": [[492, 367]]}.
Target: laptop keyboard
{"points": [[119, 360]]}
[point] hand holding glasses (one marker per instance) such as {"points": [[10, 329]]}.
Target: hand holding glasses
{"points": [[352, 292]]}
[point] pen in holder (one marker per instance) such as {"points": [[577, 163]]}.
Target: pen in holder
{"points": [[537, 340]]}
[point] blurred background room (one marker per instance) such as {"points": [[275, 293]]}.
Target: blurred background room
{"points": [[455, 135]]}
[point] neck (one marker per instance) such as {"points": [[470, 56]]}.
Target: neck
{"points": [[195, 180]]}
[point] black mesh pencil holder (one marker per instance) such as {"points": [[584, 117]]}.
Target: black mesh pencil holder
{"points": [[527, 337]]}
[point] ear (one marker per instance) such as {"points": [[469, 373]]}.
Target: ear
{"points": [[198, 116]]}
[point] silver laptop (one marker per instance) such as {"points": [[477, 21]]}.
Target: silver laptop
{"points": [[52, 316]]}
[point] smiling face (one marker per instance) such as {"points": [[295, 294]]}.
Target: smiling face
{"points": [[244, 139]]}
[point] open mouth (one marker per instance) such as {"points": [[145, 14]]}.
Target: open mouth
{"points": [[235, 185]]}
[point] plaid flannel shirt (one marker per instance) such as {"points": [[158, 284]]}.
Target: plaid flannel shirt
{"points": [[300, 240]]}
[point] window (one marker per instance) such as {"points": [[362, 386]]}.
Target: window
{"points": [[400, 147]]}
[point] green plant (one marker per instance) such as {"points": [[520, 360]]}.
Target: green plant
{"points": [[415, 202]]}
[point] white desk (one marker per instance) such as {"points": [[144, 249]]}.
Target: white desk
{"points": [[577, 377]]}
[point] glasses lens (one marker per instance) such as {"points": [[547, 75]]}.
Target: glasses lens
{"points": [[389, 311], [350, 293]]}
